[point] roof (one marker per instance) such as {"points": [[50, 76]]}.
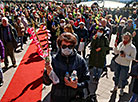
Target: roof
{"points": [[107, 4]]}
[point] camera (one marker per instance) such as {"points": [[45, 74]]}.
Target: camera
{"points": [[121, 52]]}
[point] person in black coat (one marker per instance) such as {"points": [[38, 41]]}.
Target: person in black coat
{"points": [[83, 35], [7, 36], [135, 86], [66, 61], [135, 37]]}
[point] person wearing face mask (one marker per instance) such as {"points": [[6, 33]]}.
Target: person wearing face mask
{"points": [[129, 27], [62, 24], [98, 48], [120, 27], [66, 61], [107, 30], [126, 54]]}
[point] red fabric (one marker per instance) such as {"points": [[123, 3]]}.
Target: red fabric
{"points": [[77, 23], [125, 42], [26, 84]]}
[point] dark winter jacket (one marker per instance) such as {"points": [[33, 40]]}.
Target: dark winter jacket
{"points": [[97, 59], [135, 86], [120, 33], [92, 30], [135, 42], [2, 52], [134, 74], [82, 33], [61, 65], [135, 39], [12, 32]]}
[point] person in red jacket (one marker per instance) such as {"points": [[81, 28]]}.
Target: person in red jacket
{"points": [[79, 19]]}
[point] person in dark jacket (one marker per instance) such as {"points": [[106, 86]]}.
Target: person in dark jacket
{"points": [[99, 46], [135, 88], [135, 38], [9, 42], [66, 60], [129, 27], [120, 27], [83, 34], [2, 55], [107, 30]]}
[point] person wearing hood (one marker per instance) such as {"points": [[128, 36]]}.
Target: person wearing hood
{"points": [[65, 62], [126, 54]]}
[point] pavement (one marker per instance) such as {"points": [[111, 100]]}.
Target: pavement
{"points": [[104, 87]]}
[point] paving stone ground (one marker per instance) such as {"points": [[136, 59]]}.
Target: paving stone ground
{"points": [[103, 92]]}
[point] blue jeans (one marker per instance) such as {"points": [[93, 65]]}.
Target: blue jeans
{"points": [[121, 74], [97, 72], [134, 98]]}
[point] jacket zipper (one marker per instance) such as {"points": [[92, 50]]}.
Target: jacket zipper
{"points": [[67, 63]]}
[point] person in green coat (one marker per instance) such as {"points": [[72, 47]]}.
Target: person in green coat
{"points": [[97, 59]]}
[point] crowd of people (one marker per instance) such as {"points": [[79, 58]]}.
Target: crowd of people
{"points": [[72, 29]]}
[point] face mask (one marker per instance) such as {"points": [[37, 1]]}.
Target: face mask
{"points": [[66, 51], [62, 24], [99, 34]]}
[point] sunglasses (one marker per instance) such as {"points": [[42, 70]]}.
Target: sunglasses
{"points": [[69, 46]]}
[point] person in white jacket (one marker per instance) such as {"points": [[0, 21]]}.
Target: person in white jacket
{"points": [[126, 53]]}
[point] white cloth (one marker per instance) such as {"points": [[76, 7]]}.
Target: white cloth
{"points": [[54, 77], [129, 50], [81, 46]]}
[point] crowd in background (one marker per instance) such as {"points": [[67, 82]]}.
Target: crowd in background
{"points": [[91, 25]]}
